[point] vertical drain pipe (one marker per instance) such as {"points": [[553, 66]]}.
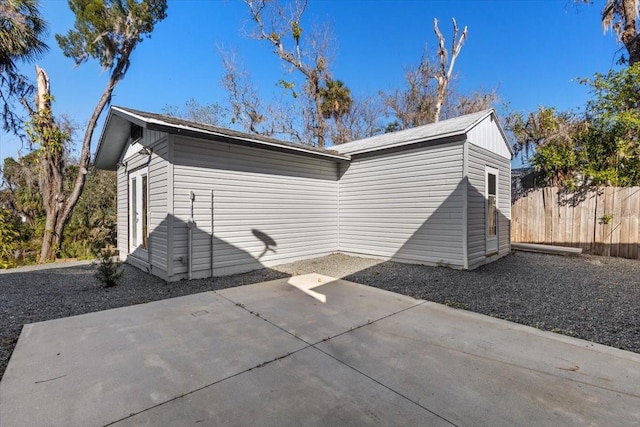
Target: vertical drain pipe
{"points": [[190, 226], [212, 238]]}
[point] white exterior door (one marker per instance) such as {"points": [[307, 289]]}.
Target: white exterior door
{"points": [[139, 213], [491, 210]]}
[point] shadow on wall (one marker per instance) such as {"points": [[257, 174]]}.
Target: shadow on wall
{"points": [[438, 240], [227, 258]]}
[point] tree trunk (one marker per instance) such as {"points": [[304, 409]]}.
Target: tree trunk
{"points": [[50, 241], [58, 206], [85, 156], [320, 122], [444, 75], [630, 34]]}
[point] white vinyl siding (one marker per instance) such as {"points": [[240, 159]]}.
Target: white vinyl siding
{"points": [[486, 134], [158, 218], [123, 213], [157, 193], [405, 206], [422, 203], [269, 207], [478, 159]]}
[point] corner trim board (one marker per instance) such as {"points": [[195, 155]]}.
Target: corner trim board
{"points": [[465, 205]]}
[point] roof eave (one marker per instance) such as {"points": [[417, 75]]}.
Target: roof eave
{"points": [[443, 136], [200, 133], [105, 160], [158, 125]]}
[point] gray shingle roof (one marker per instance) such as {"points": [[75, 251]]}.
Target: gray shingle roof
{"points": [[445, 128], [167, 123]]}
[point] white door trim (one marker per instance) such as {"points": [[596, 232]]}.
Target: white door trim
{"points": [[139, 213], [491, 209]]}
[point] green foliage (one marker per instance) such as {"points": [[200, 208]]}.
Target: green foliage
{"points": [[43, 132], [9, 237], [606, 218], [547, 138], [21, 191], [613, 142], [93, 221], [105, 29], [21, 32], [601, 147], [109, 270], [336, 99], [557, 161], [296, 31]]}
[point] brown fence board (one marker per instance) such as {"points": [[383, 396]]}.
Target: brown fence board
{"points": [[603, 221], [634, 227], [623, 249]]}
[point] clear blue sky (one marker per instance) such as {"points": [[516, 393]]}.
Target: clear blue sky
{"points": [[532, 50]]}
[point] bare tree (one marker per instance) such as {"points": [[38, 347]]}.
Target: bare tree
{"points": [[473, 102], [211, 114], [253, 114], [362, 120], [246, 106], [430, 93], [444, 72], [414, 105]]}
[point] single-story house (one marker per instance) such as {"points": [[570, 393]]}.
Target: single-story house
{"points": [[197, 201]]}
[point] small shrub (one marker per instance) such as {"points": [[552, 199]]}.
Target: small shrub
{"points": [[606, 218], [109, 269]]}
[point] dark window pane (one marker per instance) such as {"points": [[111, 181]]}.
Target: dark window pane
{"points": [[491, 216], [492, 184]]}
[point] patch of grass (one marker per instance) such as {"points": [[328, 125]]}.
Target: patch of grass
{"points": [[567, 332], [543, 327], [455, 304]]}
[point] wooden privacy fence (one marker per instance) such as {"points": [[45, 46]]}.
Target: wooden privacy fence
{"points": [[602, 221]]}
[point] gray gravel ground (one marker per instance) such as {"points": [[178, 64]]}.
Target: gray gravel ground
{"points": [[589, 297]]}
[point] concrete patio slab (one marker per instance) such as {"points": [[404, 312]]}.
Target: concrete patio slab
{"points": [[306, 388], [314, 307], [231, 358], [100, 367], [475, 369]]}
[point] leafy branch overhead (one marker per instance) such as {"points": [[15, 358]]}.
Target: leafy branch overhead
{"points": [[21, 31], [109, 30], [599, 147]]}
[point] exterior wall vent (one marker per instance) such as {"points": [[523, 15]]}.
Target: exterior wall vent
{"points": [[136, 133]]}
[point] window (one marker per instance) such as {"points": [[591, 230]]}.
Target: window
{"points": [[492, 211]]}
